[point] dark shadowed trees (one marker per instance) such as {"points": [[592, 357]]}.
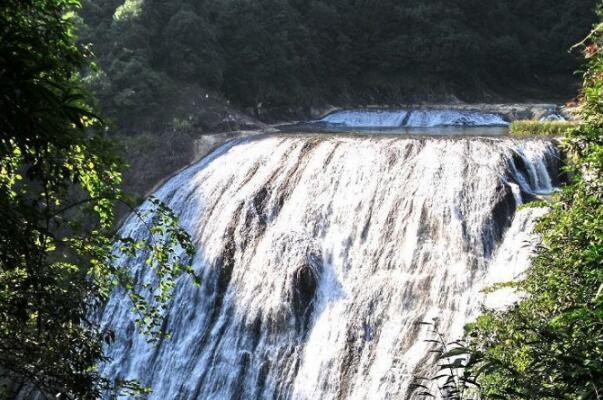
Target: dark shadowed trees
{"points": [[291, 52]]}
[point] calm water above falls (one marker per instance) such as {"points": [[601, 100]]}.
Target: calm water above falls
{"points": [[321, 254]]}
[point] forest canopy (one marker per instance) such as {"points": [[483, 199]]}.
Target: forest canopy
{"points": [[292, 52]]}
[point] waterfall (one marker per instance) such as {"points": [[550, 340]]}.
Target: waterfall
{"points": [[320, 256], [414, 118], [553, 116], [367, 119]]}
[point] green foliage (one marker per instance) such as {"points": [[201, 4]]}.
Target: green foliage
{"points": [[540, 128], [550, 345], [280, 53], [134, 95], [59, 183], [129, 10], [453, 381], [191, 49]]}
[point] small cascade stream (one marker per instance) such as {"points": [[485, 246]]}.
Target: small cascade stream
{"points": [[321, 255]]}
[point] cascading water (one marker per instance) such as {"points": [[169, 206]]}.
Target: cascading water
{"points": [[367, 119], [320, 256], [553, 117], [412, 118]]}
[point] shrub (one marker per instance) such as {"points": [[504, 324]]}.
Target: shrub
{"points": [[540, 128]]}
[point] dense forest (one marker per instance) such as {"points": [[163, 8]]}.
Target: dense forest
{"points": [[275, 53]]}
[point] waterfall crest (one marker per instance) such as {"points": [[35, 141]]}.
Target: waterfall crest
{"points": [[320, 256]]}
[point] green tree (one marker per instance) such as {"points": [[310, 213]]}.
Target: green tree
{"points": [[191, 49], [59, 183], [266, 50]]}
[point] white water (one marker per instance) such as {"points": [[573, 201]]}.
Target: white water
{"points": [[553, 116], [367, 119], [428, 118], [320, 256]]}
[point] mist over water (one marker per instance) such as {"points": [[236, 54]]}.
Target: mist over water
{"points": [[320, 256]]}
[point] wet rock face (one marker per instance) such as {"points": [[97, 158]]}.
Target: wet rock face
{"points": [[304, 286], [503, 212], [260, 202], [521, 169], [520, 163]]}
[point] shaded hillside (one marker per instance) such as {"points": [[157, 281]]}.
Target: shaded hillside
{"points": [[272, 55]]}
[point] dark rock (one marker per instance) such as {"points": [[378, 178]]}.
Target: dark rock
{"points": [[503, 211], [305, 283]]}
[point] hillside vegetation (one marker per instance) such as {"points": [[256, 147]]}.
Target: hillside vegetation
{"points": [[267, 55]]}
